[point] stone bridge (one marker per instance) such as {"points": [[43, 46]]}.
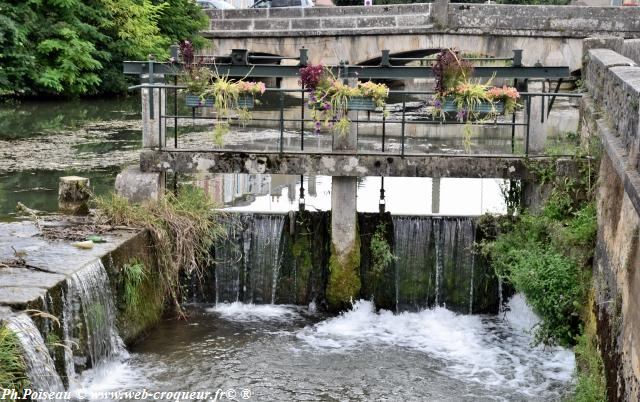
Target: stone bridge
{"points": [[549, 35]]}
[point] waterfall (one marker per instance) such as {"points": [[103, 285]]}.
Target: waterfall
{"points": [[436, 263], [248, 261], [90, 318], [40, 367]]}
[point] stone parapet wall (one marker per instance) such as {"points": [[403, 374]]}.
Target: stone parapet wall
{"points": [[566, 21], [611, 112], [613, 82], [321, 20], [437, 17]]}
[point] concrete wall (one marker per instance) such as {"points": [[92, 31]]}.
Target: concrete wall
{"points": [[611, 112]]}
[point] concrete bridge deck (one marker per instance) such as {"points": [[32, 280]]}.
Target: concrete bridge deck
{"points": [[336, 163]]}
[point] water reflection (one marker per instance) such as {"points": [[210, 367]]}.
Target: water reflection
{"points": [[31, 118], [403, 195]]}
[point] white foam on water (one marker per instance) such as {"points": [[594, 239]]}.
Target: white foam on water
{"points": [[248, 312], [519, 314], [482, 349], [109, 376]]}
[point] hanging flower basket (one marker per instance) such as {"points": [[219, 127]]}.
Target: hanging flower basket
{"points": [[484, 107], [193, 100], [361, 103], [245, 101]]}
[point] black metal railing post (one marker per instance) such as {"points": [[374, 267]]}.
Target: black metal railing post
{"points": [[404, 108], [175, 112], [281, 122], [526, 148], [302, 120]]}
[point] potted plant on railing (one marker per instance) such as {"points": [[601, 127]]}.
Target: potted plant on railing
{"points": [[231, 95], [330, 99], [196, 77], [470, 101]]}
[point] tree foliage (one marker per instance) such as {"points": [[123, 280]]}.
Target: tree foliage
{"points": [[76, 47]]}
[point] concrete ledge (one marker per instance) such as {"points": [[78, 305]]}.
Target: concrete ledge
{"points": [[335, 164]]}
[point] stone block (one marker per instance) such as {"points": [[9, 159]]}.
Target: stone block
{"points": [[413, 20], [137, 186], [631, 49], [246, 13], [305, 23], [286, 12], [338, 23], [233, 25], [375, 22], [608, 58], [271, 25]]}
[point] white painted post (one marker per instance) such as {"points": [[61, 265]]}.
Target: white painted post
{"points": [[537, 128], [153, 130]]}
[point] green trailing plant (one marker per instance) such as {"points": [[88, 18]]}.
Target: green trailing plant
{"points": [[381, 253], [329, 97], [473, 101], [183, 227], [12, 366]]}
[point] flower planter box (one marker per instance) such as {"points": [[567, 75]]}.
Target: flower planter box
{"points": [[450, 106], [195, 101], [361, 103], [245, 102]]}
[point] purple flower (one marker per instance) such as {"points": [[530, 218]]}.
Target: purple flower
{"points": [[437, 103], [326, 106], [461, 114], [318, 124]]}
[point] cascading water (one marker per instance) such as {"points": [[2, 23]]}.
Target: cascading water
{"points": [[40, 367], [89, 313], [248, 262], [436, 263]]}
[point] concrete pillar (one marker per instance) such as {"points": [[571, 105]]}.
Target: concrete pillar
{"points": [[137, 186], [311, 184], [344, 264], [154, 103], [435, 195], [537, 127], [131, 183], [73, 195]]}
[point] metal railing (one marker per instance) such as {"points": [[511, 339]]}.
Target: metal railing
{"points": [[520, 118]]}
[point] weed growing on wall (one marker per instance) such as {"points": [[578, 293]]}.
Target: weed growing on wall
{"points": [[381, 253]]}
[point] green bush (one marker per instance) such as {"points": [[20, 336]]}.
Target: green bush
{"points": [[76, 47], [547, 257]]}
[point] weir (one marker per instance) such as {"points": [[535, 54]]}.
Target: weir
{"points": [[283, 258]]}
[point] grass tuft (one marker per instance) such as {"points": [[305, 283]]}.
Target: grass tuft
{"points": [[12, 366], [183, 227]]}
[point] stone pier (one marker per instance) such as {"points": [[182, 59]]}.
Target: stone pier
{"points": [[344, 278]]}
